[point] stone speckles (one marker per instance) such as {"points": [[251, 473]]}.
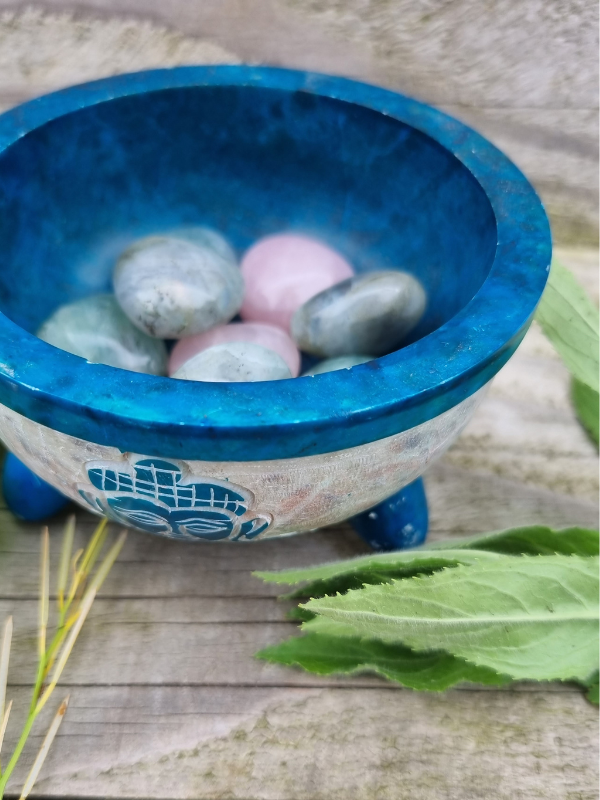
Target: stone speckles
{"points": [[172, 287]]}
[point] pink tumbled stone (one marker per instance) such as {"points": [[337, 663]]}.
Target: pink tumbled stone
{"points": [[268, 336], [282, 272]]}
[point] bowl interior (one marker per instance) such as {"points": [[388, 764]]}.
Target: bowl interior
{"points": [[247, 161]]}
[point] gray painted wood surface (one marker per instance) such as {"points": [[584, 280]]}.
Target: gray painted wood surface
{"points": [[166, 698]]}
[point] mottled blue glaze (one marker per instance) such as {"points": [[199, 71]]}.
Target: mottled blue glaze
{"points": [[26, 495], [399, 522], [388, 181]]}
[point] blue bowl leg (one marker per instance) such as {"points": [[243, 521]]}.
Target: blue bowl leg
{"points": [[399, 522], [26, 495]]}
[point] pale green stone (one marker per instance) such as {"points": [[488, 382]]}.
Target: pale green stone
{"points": [[96, 329], [339, 362], [234, 362]]}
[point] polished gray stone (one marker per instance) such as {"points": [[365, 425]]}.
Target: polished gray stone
{"points": [[175, 286], [235, 362], [339, 362], [96, 329], [371, 313]]}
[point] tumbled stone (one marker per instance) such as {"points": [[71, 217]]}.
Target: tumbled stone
{"points": [[370, 313], [235, 362], [339, 362], [96, 329], [260, 333], [282, 272], [175, 286]]}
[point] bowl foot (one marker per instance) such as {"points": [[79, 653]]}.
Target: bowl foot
{"points": [[399, 522], [27, 496]]}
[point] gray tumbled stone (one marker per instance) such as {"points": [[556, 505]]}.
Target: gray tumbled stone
{"points": [[339, 362], [96, 329], [175, 286], [235, 362], [370, 313]]}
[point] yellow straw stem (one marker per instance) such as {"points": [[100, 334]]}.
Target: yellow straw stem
{"points": [[94, 547], [41, 756], [84, 609], [4, 657], [4, 723], [65, 560], [44, 592], [89, 558], [109, 560], [82, 612]]}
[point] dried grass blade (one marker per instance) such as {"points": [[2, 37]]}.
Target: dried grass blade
{"points": [[44, 592], [82, 612], [94, 546], [109, 560], [65, 560], [4, 723], [4, 658], [88, 558], [84, 609], [41, 756]]}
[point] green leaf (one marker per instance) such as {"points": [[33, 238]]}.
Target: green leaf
{"points": [[351, 580], [342, 576], [533, 540], [299, 615], [585, 402], [528, 617], [593, 689], [324, 654], [570, 320], [383, 564]]}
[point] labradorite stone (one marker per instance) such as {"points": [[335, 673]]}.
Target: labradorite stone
{"points": [[176, 286], [339, 362], [235, 362], [370, 313], [96, 329]]}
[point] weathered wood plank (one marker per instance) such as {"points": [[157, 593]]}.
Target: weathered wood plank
{"points": [[319, 744], [508, 55], [177, 642]]}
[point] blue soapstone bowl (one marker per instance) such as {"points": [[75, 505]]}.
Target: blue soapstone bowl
{"points": [[389, 182]]}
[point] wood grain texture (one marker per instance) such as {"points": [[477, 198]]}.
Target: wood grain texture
{"points": [[322, 744]]}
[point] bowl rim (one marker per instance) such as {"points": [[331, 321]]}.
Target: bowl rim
{"points": [[297, 417]]}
